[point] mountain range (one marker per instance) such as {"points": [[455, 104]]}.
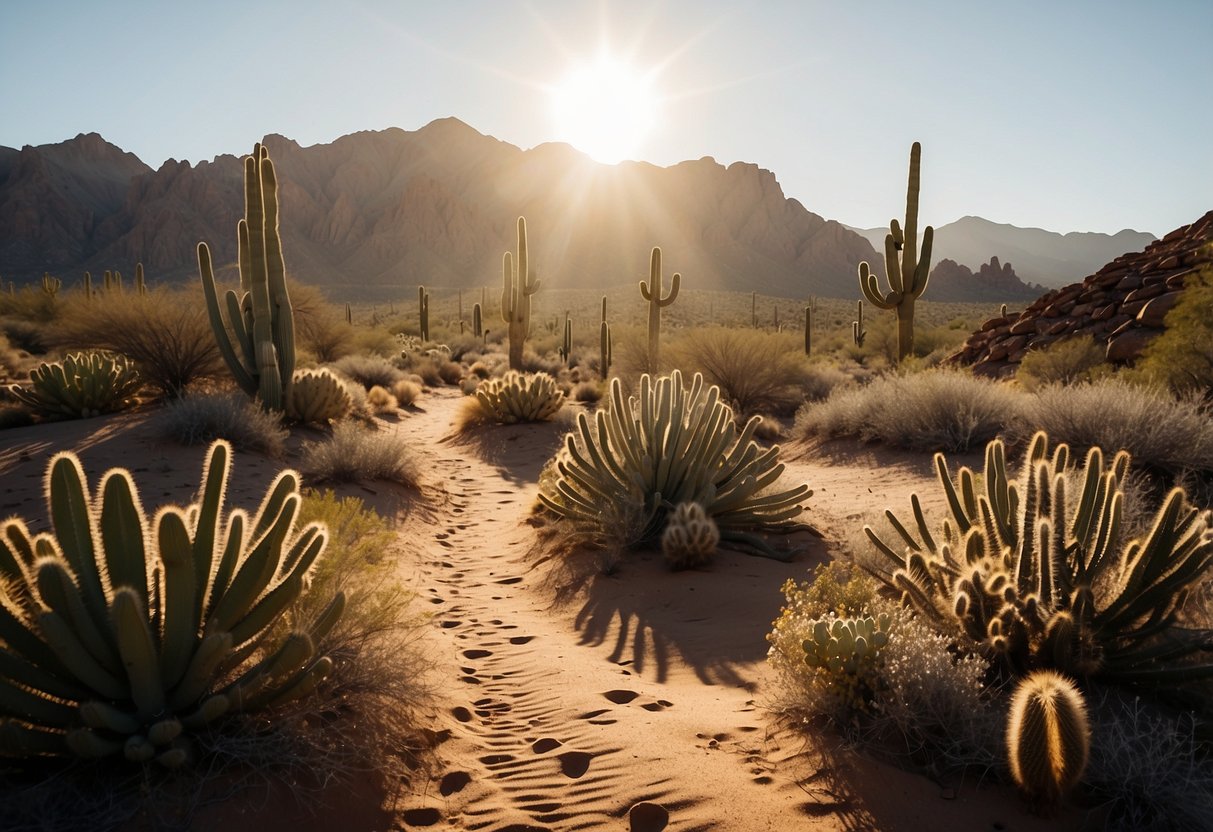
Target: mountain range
{"points": [[375, 212]]}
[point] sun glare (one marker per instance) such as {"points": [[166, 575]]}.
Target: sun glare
{"points": [[605, 109]]}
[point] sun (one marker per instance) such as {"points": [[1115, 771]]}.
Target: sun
{"points": [[605, 109]]}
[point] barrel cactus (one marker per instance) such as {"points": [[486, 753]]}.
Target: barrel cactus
{"points": [[81, 385], [520, 397], [120, 636], [318, 397], [669, 444], [845, 652], [690, 537], [1048, 736]]}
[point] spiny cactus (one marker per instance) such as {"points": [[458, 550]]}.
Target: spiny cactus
{"points": [[566, 343], [651, 291], [477, 321], [50, 285], [518, 284], [318, 397], [81, 385], [122, 635], [1042, 579], [1048, 736], [842, 645], [907, 273], [518, 397], [140, 283], [605, 345], [858, 333], [88, 285], [113, 281], [423, 312], [256, 336], [690, 537], [666, 445]]}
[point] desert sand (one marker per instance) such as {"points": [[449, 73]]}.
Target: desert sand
{"points": [[564, 698]]}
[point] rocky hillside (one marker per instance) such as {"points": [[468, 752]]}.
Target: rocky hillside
{"points": [[1122, 305], [993, 282], [376, 211]]}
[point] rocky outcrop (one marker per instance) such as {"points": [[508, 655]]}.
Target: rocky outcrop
{"points": [[994, 282], [1122, 305], [374, 212]]}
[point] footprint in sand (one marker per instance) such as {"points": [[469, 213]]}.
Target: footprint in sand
{"points": [[648, 817], [546, 744], [477, 654], [461, 713], [574, 763], [421, 817], [453, 781], [621, 697], [659, 705], [521, 639], [496, 759]]}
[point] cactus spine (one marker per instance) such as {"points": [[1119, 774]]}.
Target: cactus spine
{"points": [[423, 312], [651, 291], [907, 273], [858, 333], [604, 341], [1048, 736], [477, 321], [517, 287], [260, 322]]}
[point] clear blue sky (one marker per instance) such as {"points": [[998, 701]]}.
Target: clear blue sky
{"points": [[1076, 115]]}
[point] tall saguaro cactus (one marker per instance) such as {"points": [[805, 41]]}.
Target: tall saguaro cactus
{"points": [[651, 291], [423, 312], [604, 341], [516, 291], [256, 336], [906, 271]]}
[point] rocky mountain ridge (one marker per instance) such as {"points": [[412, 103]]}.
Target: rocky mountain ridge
{"points": [[993, 282]]}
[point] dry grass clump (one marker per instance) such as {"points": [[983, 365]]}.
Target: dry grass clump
{"points": [[380, 401], [450, 372], [589, 392], [368, 370], [358, 454], [14, 416], [758, 372], [25, 335], [1169, 437], [201, 419], [1068, 361], [935, 410], [406, 392], [165, 332]]}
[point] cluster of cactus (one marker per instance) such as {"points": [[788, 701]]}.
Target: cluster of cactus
{"points": [[423, 312], [1042, 579], [907, 273], [690, 537], [846, 651], [520, 397], [858, 333], [670, 444], [1048, 736], [256, 336], [651, 291], [318, 397], [518, 284], [120, 636], [81, 385]]}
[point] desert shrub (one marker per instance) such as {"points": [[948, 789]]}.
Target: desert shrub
{"points": [[154, 666], [30, 304], [756, 371], [166, 333], [589, 392], [368, 370], [358, 454], [819, 380], [406, 392], [518, 397], [768, 429], [81, 385], [1182, 356], [202, 419], [381, 401], [450, 372], [1167, 436], [670, 444], [374, 340], [427, 369], [319, 328], [1032, 569], [12, 360], [1068, 361], [931, 410]]}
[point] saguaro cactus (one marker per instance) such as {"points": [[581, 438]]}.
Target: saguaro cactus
{"points": [[50, 285], [423, 312], [808, 329], [566, 343], [140, 283], [260, 322], [1048, 736], [88, 285], [477, 321], [651, 291], [906, 272], [604, 341], [858, 333], [517, 287]]}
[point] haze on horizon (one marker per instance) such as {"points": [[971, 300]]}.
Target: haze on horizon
{"points": [[1081, 116]]}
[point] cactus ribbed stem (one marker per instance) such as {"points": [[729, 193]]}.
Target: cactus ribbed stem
{"points": [[651, 291], [518, 284]]}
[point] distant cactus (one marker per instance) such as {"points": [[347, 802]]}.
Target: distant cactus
{"points": [[566, 343], [140, 283], [113, 282], [257, 335], [651, 291], [518, 284], [858, 333], [81, 385], [50, 285], [690, 537], [907, 273], [477, 321], [604, 342], [125, 635], [349, 315], [1002, 311], [1048, 736], [88, 286], [518, 397], [318, 397], [423, 312], [808, 330]]}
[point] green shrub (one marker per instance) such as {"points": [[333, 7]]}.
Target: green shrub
{"points": [[1182, 356], [202, 419], [358, 454], [1068, 361], [80, 386], [126, 636]]}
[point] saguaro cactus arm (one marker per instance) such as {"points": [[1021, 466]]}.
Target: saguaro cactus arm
{"points": [[651, 291]]}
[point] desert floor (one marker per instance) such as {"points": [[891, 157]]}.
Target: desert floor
{"points": [[564, 698]]}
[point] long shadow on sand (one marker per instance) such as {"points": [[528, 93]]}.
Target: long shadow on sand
{"points": [[710, 620], [518, 452]]}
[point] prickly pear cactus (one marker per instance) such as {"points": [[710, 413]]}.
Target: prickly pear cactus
{"points": [[846, 652], [690, 537]]}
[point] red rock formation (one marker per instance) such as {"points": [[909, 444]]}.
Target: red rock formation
{"points": [[993, 282], [1121, 305]]}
